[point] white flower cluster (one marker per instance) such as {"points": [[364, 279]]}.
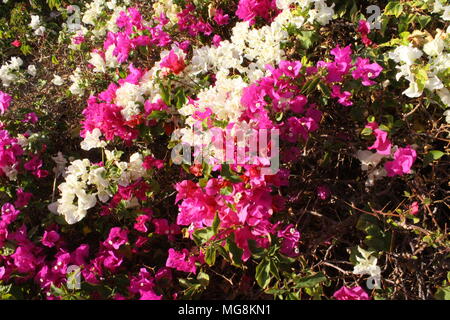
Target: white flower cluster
{"points": [[92, 140], [445, 10], [369, 162], [93, 13], [9, 71], [259, 46], [35, 24], [254, 47], [101, 64], [436, 51], [94, 9], [75, 201], [85, 183], [168, 8], [223, 99], [77, 86], [367, 264], [57, 80]]}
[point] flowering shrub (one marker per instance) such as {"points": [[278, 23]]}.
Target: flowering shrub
{"points": [[230, 149]]}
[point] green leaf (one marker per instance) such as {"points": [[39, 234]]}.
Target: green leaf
{"points": [[423, 20], [157, 114], [228, 174], [256, 251], [210, 255], [215, 224], [26, 49], [274, 269], [366, 132], [443, 293], [421, 78], [307, 39], [234, 252], [262, 275], [310, 281], [393, 8], [202, 235], [203, 278], [54, 4], [432, 156], [226, 191], [436, 154]]}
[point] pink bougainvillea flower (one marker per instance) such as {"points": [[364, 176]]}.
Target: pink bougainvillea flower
{"points": [[173, 62], [414, 208], [382, 143], [290, 68], [30, 118], [291, 237], [150, 162], [149, 295], [356, 293], [116, 238], [248, 10], [5, 101], [141, 221], [22, 198], [16, 43], [181, 261], [113, 260], [50, 238], [80, 254], [9, 213], [220, 18], [78, 39], [2, 272], [366, 71], [364, 30], [216, 40], [343, 97], [24, 259], [341, 65], [323, 192], [404, 158], [298, 103]]}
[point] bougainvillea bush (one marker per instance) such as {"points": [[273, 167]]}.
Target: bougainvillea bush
{"points": [[251, 149]]}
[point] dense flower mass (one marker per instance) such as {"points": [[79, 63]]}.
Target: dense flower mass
{"points": [[251, 142]]}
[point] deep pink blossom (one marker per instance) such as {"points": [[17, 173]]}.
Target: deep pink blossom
{"points": [[24, 259], [404, 158], [141, 221], [343, 97], [364, 30], [323, 192], [30, 118], [23, 198], [291, 237], [116, 238], [50, 238], [16, 43], [356, 293], [181, 261], [220, 18], [366, 71], [9, 213], [113, 260], [382, 143], [248, 10], [414, 208], [173, 62], [5, 101]]}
